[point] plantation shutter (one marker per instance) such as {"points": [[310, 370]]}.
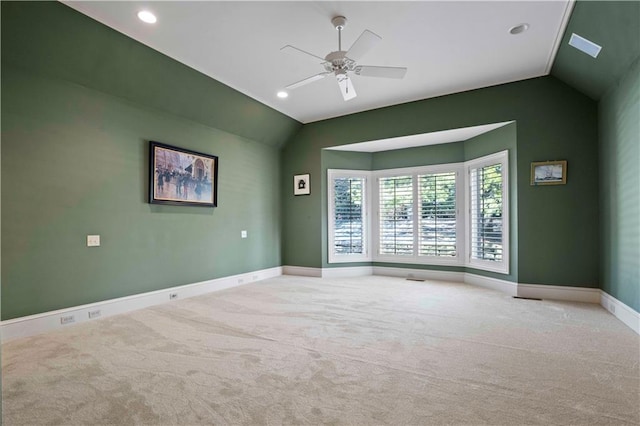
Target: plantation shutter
{"points": [[486, 213], [348, 215], [396, 215], [438, 214]]}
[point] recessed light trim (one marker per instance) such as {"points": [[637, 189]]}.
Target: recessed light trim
{"points": [[584, 45], [519, 29], [148, 17], [282, 94]]}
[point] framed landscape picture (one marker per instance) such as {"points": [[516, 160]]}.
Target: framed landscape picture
{"points": [[549, 173], [182, 177]]}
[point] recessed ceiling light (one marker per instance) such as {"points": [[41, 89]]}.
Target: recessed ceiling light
{"points": [[282, 94], [584, 45], [519, 29], [146, 16]]}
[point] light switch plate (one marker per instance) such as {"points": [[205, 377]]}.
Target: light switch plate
{"points": [[93, 240], [243, 234]]}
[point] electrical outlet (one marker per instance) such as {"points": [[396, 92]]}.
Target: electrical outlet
{"points": [[243, 234], [173, 296], [255, 278], [612, 308], [95, 314], [68, 319], [240, 280], [93, 240]]}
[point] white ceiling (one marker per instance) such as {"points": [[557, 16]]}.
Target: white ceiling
{"points": [[423, 139], [447, 46]]}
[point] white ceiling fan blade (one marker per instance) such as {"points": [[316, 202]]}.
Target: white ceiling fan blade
{"points": [[363, 44], [385, 72], [346, 88], [307, 80], [294, 50]]}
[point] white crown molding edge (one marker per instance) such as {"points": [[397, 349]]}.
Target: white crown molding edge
{"points": [[48, 321]]}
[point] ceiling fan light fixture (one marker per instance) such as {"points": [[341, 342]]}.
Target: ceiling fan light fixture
{"points": [[148, 17], [519, 29]]}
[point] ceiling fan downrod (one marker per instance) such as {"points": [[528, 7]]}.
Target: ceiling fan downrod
{"points": [[339, 22]]}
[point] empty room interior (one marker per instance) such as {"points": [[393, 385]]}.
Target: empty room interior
{"points": [[320, 212]]}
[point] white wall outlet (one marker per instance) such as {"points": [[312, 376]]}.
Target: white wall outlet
{"points": [[243, 234], [173, 296], [93, 240], [67, 319], [95, 314]]}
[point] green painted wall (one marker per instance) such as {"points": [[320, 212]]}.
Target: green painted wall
{"points": [[50, 38], [619, 118], [419, 156], [614, 25], [74, 162], [79, 104], [553, 122]]}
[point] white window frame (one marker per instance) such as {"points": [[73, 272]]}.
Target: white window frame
{"points": [[332, 257], [416, 258], [486, 265], [371, 215]]}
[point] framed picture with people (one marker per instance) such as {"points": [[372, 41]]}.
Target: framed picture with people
{"points": [[180, 176]]}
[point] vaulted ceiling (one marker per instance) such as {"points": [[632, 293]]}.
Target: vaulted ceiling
{"points": [[447, 46]]}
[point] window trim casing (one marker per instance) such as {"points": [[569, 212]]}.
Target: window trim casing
{"points": [[416, 258], [502, 267], [366, 221], [463, 214]]}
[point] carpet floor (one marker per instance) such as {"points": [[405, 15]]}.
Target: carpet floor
{"points": [[357, 351]]}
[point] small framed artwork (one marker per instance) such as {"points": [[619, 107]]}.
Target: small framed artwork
{"points": [[182, 177], [549, 173], [301, 185]]}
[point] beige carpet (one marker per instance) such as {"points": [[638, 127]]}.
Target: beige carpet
{"points": [[358, 351]]}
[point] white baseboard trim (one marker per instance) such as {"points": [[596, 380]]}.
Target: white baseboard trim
{"points": [[350, 271], [302, 271], [48, 321], [629, 316], [555, 292], [422, 274], [502, 286]]}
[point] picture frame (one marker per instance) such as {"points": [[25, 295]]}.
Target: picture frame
{"points": [[549, 173], [301, 185], [179, 176]]}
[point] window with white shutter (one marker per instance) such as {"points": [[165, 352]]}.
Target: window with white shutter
{"points": [[348, 216], [438, 214], [395, 206], [488, 213], [447, 214]]}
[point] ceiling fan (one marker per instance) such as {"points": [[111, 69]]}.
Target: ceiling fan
{"points": [[343, 63]]}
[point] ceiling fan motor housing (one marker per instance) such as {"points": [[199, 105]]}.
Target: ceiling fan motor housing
{"points": [[338, 61]]}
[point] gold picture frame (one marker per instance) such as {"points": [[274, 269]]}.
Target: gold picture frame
{"points": [[549, 173]]}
